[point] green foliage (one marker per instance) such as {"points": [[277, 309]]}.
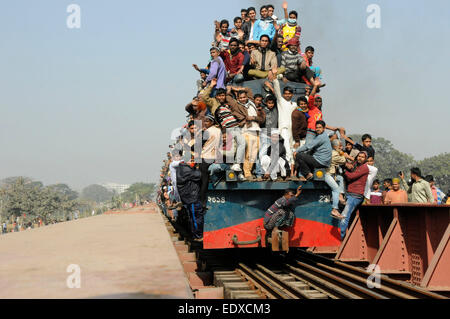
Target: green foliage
{"points": [[96, 193], [139, 191], [390, 162], [63, 189], [21, 196], [439, 167]]}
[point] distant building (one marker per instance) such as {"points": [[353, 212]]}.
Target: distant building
{"points": [[117, 188]]}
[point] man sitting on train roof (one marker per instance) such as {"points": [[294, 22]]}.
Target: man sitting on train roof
{"points": [[281, 213], [295, 64], [274, 161], [320, 149], [264, 61], [234, 62]]}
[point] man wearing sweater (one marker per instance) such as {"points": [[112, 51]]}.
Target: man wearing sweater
{"points": [[321, 150], [356, 176]]}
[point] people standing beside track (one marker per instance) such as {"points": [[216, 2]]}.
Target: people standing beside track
{"points": [[387, 186], [321, 153], [356, 177], [438, 195], [375, 194], [281, 213], [189, 183], [419, 191], [396, 195], [373, 171]]}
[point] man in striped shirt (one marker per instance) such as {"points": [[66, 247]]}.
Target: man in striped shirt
{"points": [[295, 64], [224, 116], [281, 213]]}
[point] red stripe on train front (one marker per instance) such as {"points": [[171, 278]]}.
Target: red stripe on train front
{"points": [[304, 233]]}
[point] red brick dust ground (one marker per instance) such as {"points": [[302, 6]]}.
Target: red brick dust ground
{"points": [[121, 255]]}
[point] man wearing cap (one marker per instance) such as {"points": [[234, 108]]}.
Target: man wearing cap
{"points": [[295, 64], [396, 195], [274, 161], [419, 191]]}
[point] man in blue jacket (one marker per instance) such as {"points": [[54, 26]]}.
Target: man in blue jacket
{"points": [[315, 154]]}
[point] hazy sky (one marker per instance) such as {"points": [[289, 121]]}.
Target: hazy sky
{"points": [[97, 104]]}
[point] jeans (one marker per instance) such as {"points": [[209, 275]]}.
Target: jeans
{"points": [[238, 79], [265, 143], [352, 204], [337, 187]]}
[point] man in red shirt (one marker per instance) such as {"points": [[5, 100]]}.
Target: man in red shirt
{"points": [[356, 175], [234, 62]]}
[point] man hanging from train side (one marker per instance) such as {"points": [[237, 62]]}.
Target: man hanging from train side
{"points": [[281, 213]]}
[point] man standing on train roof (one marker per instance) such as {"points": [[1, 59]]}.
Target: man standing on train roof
{"points": [[356, 176], [223, 113], [217, 69], [249, 26], [281, 213], [264, 26]]}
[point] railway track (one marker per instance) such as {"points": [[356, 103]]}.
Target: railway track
{"points": [[259, 274], [308, 276]]}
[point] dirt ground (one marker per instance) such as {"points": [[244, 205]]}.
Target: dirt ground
{"points": [[119, 256]]}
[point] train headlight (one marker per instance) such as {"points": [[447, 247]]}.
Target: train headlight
{"points": [[319, 175], [231, 176]]}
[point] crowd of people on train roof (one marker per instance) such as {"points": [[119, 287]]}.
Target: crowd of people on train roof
{"points": [[269, 136]]}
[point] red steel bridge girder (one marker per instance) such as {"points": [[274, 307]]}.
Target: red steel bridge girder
{"points": [[410, 241]]}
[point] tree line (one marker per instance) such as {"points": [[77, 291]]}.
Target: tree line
{"points": [[391, 161], [21, 197]]}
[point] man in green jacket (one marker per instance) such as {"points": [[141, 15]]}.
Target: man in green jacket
{"points": [[419, 191]]}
